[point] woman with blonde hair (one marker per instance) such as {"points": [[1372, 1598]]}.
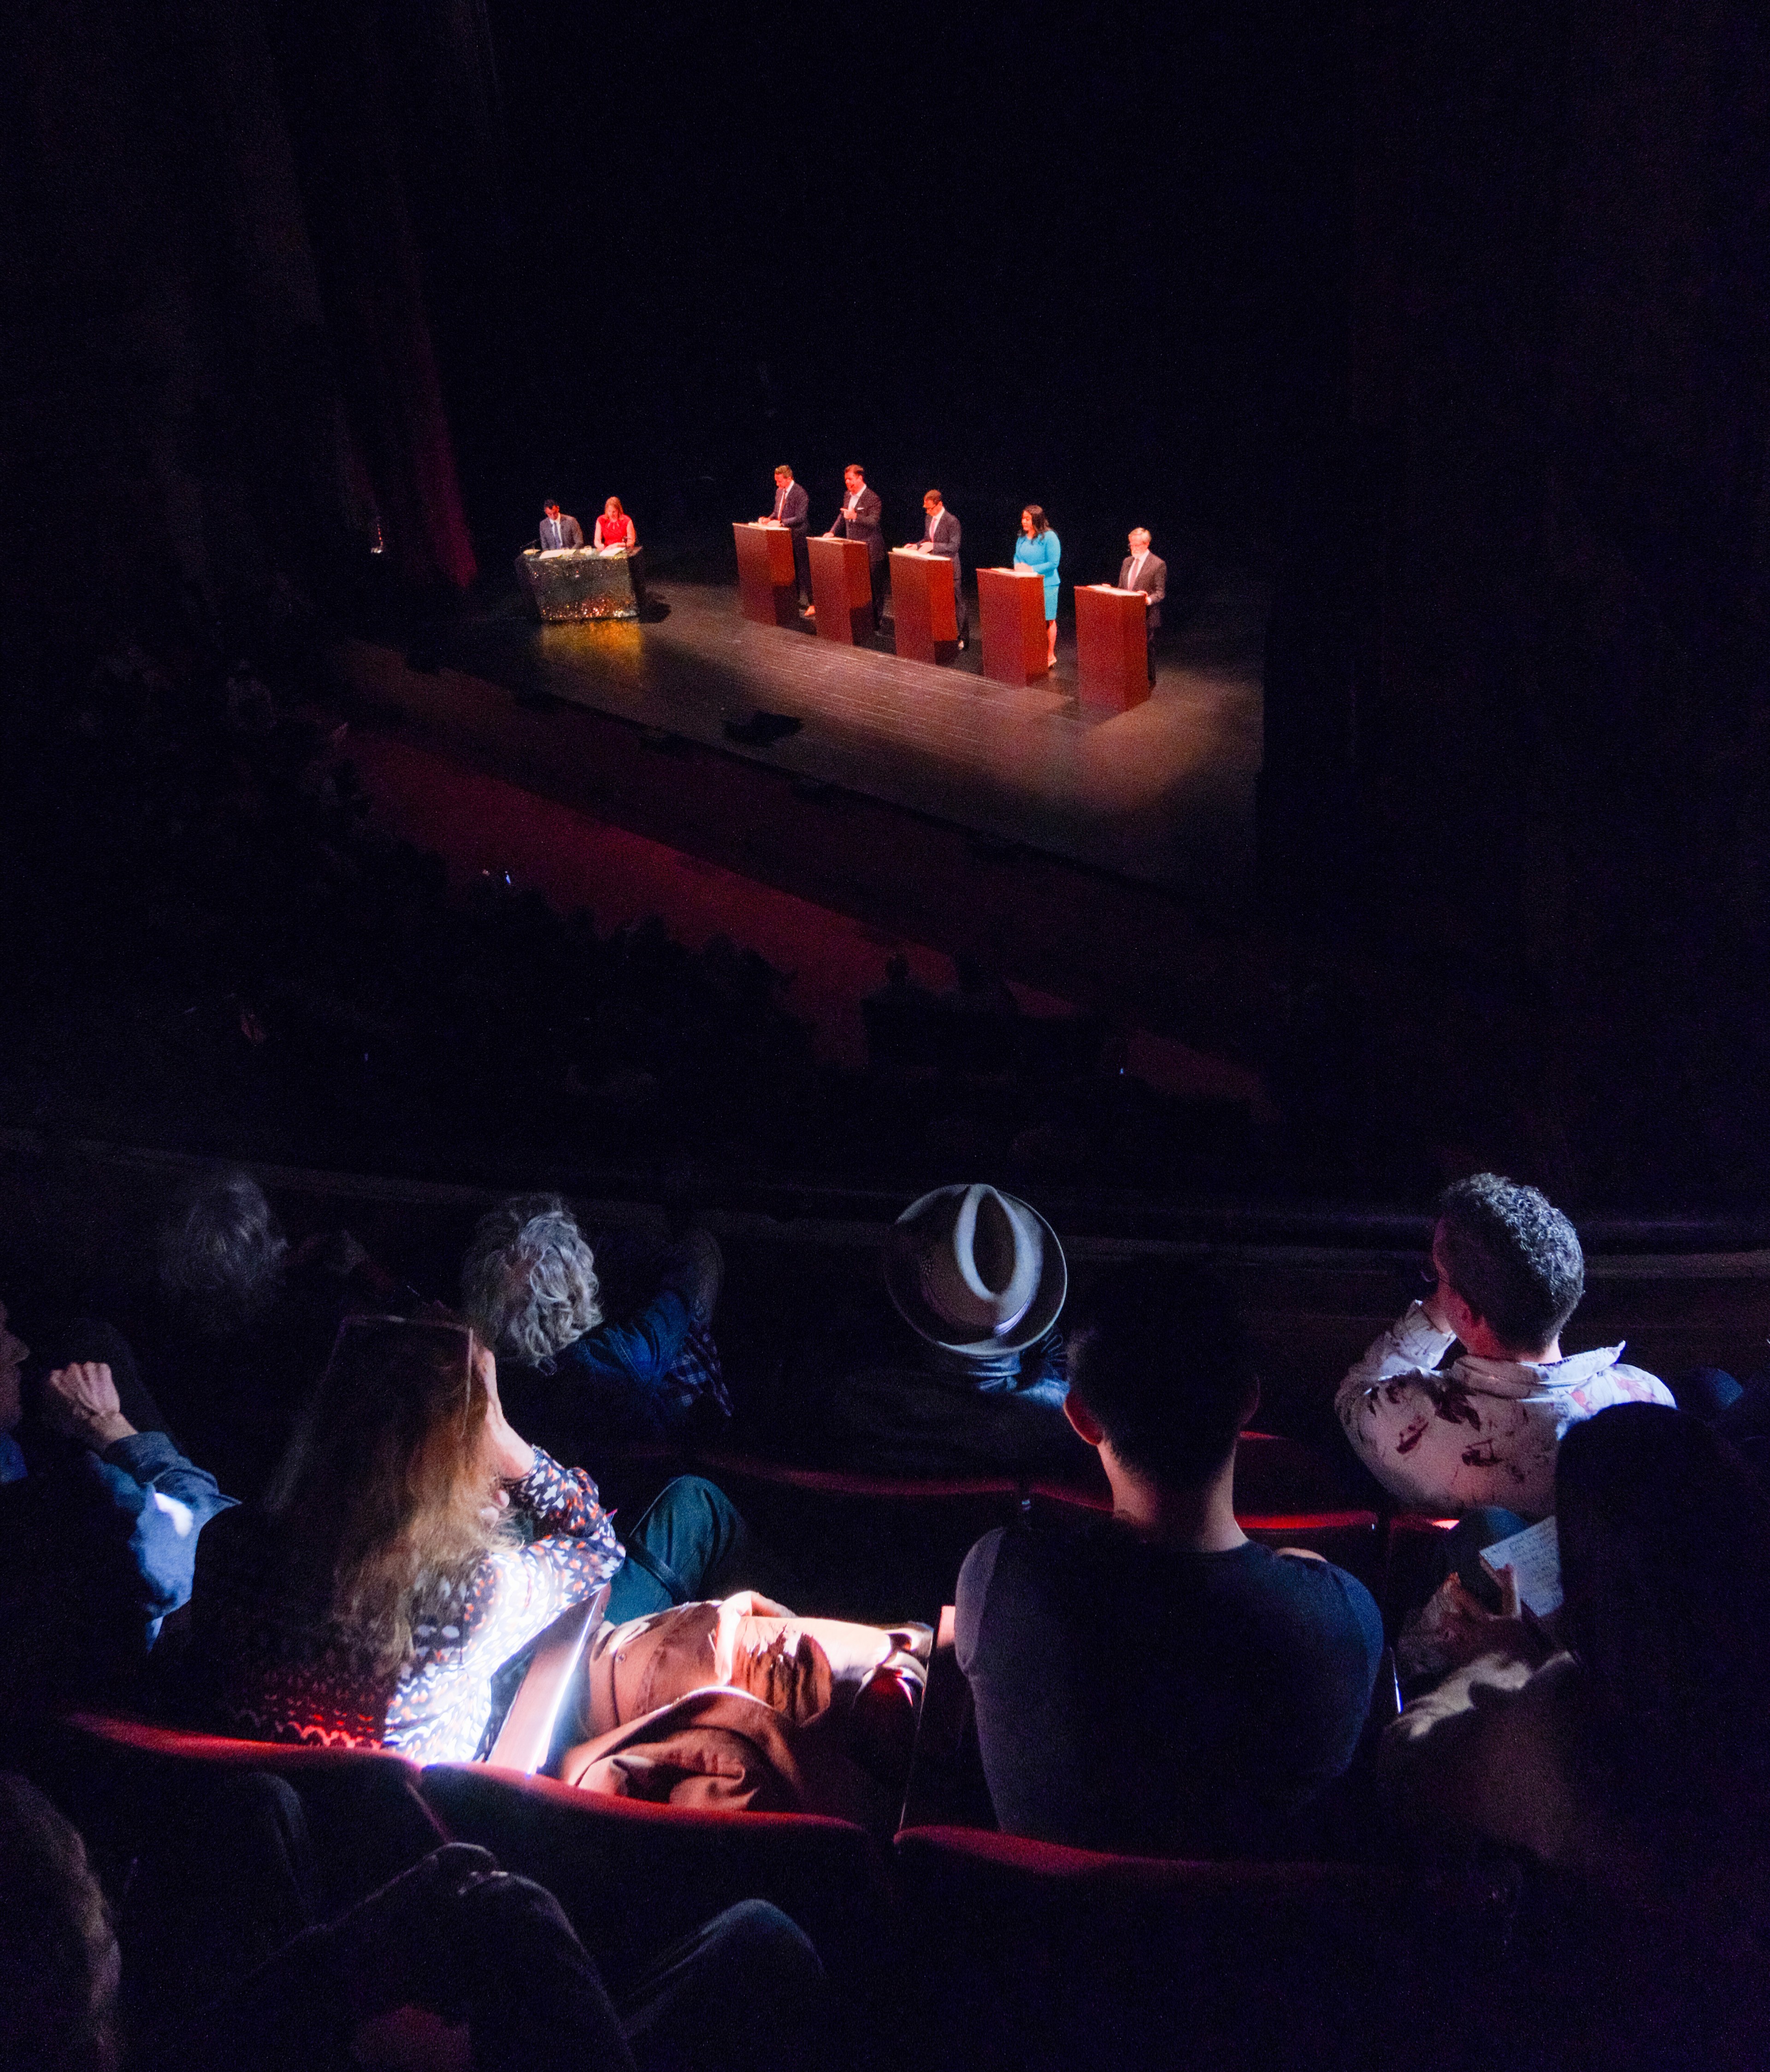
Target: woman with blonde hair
{"points": [[614, 529], [411, 1544]]}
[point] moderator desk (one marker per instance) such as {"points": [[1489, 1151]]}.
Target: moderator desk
{"points": [[583, 582]]}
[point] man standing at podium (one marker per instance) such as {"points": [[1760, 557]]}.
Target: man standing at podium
{"points": [[1142, 570], [793, 509], [859, 519], [559, 531], [941, 534]]}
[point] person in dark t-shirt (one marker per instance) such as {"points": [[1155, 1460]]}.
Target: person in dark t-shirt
{"points": [[1155, 1683]]}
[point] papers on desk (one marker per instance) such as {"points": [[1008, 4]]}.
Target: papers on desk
{"points": [[1533, 1557]]}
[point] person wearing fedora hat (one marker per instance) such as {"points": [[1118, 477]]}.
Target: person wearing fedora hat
{"points": [[979, 1278]]}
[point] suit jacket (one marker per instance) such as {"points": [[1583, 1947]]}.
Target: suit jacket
{"points": [[863, 525], [796, 511], [569, 532], [944, 537], [1151, 580]]}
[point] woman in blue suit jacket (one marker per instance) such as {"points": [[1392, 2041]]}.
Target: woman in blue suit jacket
{"points": [[1038, 547]]}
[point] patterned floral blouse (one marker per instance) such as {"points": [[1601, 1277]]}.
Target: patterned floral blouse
{"points": [[273, 1682]]}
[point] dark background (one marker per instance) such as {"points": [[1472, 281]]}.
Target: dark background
{"points": [[1449, 320], [1044, 254]]}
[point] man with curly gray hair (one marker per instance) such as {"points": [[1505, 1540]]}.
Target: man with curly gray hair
{"points": [[1482, 1432], [529, 1287]]}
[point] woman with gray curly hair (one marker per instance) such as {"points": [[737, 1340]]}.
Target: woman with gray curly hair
{"points": [[529, 1287], [583, 1385], [528, 1282]]}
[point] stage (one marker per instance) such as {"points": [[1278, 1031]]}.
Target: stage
{"points": [[1163, 794]]}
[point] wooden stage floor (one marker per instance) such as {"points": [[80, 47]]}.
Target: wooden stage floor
{"points": [[1163, 794]]}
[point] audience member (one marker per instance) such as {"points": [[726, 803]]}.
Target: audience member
{"points": [[493, 1962], [529, 1287], [237, 1328], [1637, 1760], [1155, 1682], [979, 1277], [453, 1962], [900, 1017], [98, 1527], [373, 1597], [1482, 1432], [58, 1971]]}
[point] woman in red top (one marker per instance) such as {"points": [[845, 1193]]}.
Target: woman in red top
{"points": [[614, 529]]}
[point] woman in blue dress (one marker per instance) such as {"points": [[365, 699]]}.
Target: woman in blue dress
{"points": [[1038, 547]]}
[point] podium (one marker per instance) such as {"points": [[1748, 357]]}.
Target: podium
{"points": [[1112, 647], [924, 608], [583, 582], [841, 589], [767, 588], [1011, 603]]}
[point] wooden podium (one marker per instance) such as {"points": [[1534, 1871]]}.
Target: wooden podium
{"points": [[841, 589], [1112, 647], [767, 588], [924, 608], [1011, 603]]}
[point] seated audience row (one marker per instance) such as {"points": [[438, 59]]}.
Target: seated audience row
{"points": [[454, 1962]]}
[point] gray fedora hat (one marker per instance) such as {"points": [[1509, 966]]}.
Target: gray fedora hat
{"points": [[975, 1271]]}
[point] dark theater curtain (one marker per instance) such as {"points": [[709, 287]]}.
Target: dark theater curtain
{"points": [[335, 63]]}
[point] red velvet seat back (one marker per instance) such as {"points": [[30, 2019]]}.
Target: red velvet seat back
{"points": [[634, 1877], [1031, 1955], [876, 1547], [123, 1779]]}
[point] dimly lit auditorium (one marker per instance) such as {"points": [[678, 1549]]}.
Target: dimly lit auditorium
{"points": [[884, 1063]]}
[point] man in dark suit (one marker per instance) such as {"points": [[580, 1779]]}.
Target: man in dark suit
{"points": [[1140, 569], [558, 530], [793, 509], [859, 519], [941, 534]]}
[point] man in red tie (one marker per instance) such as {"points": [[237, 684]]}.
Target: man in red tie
{"points": [[941, 534], [793, 509]]}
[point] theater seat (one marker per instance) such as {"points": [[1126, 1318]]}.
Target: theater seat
{"points": [[1350, 1539], [122, 1781], [878, 1548], [1413, 1559], [1027, 1956], [1275, 1474], [634, 1877]]}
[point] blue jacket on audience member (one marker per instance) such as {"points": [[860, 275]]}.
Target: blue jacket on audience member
{"points": [[95, 1551], [613, 1386]]}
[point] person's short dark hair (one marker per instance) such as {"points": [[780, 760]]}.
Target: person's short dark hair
{"points": [[853, 467], [1513, 1257], [783, 469], [58, 1968], [934, 493], [1159, 1360], [221, 1250]]}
